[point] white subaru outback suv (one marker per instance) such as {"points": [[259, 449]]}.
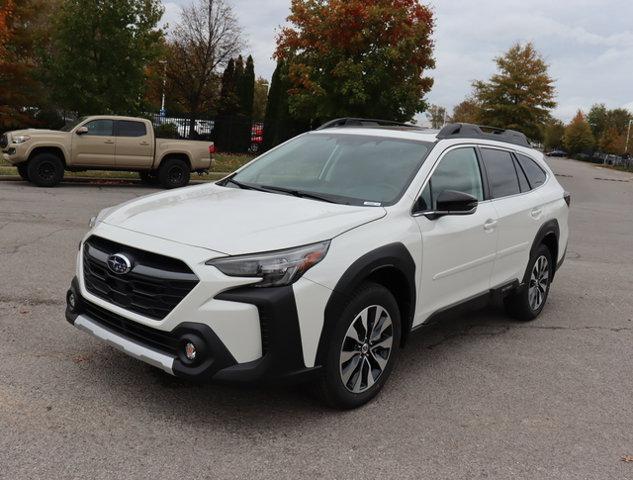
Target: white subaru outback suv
{"points": [[319, 258]]}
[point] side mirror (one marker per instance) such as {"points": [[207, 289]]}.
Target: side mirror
{"points": [[451, 202], [81, 130]]}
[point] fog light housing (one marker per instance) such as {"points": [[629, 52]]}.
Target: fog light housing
{"points": [[190, 351], [71, 300]]}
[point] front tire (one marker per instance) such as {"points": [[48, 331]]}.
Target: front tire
{"points": [[174, 173], [23, 171], [45, 170], [362, 349], [528, 302]]}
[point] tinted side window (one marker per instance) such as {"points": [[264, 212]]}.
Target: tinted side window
{"points": [[523, 181], [126, 128], [458, 170], [502, 175], [100, 128], [534, 173]]}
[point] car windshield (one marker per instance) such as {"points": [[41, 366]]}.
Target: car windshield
{"points": [[70, 125], [341, 168]]}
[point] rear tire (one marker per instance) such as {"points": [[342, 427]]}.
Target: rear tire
{"points": [[363, 348], [174, 173], [23, 171], [528, 302], [45, 170]]}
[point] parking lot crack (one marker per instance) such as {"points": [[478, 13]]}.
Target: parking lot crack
{"points": [[14, 300], [12, 250], [586, 327]]}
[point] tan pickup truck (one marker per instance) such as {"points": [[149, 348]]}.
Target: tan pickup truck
{"points": [[105, 143]]}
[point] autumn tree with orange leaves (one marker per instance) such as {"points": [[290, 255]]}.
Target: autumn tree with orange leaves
{"points": [[20, 33], [364, 58]]}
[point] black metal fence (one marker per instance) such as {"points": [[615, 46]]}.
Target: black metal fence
{"points": [[230, 133]]}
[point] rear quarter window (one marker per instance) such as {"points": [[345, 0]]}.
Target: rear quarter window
{"points": [[535, 174], [502, 175]]}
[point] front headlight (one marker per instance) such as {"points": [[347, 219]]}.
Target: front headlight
{"points": [[278, 268], [21, 139]]}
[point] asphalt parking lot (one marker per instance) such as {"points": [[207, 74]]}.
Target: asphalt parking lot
{"points": [[479, 396]]}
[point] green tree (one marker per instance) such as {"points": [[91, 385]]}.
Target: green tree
{"points": [[277, 112], [247, 87], [260, 99], [602, 119], [468, 111], [618, 119], [578, 137], [553, 133], [100, 52], [521, 95], [239, 82], [357, 58], [436, 115], [228, 92], [598, 118]]}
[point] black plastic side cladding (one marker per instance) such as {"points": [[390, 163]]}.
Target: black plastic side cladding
{"points": [[395, 257]]}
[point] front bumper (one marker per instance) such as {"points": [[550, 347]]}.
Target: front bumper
{"points": [[133, 349], [15, 153], [281, 362]]}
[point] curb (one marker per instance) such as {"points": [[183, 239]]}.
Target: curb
{"points": [[104, 180]]}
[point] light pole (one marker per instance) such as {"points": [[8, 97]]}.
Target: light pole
{"points": [[162, 105], [628, 135]]}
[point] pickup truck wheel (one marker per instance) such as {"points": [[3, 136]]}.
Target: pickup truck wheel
{"points": [[362, 349], [23, 171], [45, 170], [174, 173], [149, 178]]}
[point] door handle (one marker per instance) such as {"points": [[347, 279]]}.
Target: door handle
{"points": [[536, 212], [145, 144], [109, 142], [490, 225]]}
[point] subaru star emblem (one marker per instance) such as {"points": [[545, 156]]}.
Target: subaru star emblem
{"points": [[119, 264]]}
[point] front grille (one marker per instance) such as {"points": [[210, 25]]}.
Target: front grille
{"points": [[4, 141], [158, 340], [153, 288]]}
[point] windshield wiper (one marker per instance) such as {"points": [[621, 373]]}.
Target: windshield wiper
{"points": [[300, 193], [271, 189], [245, 186]]}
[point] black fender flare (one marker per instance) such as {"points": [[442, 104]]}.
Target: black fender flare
{"points": [[392, 256], [548, 228]]}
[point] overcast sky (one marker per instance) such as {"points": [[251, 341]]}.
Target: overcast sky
{"points": [[588, 44]]}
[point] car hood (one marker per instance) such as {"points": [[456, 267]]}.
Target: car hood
{"points": [[234, 221], [37, 131]]}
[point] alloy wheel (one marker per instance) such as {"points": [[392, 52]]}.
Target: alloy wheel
{"points": [[539, 280], [366, 349]]}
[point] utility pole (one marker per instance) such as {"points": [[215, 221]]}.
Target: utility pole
{"points": [[628, 135], [162, 106]]}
